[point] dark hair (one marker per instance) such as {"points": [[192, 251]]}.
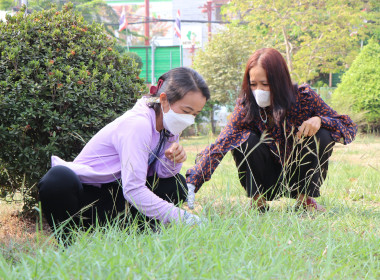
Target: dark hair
{"points": [[283, 92], [176, 83]]}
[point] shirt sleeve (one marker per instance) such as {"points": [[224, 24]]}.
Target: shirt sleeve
{"points": [[133, 150], [232, 136], [165, 167], [341, 127]]}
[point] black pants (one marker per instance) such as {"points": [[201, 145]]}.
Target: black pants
{"points": [[63, 196], [303, 173]]}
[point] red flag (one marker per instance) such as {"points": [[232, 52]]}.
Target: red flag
{"points": [[123, 23], [177, 25]]}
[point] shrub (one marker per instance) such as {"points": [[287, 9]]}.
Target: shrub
{"points": [[136, 58], [60, 82], [359, 91]]}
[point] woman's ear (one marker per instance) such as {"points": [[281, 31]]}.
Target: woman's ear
{"points": [[163, 99]]}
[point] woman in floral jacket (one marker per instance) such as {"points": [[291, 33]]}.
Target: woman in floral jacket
{"points": [[281, 136]]}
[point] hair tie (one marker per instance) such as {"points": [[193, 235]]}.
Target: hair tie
{"points": [[154, 89]]}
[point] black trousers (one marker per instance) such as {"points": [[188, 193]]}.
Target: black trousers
{"points": [[303, 173], [63, 196]]}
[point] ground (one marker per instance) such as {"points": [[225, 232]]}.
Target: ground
{"points": [[340, 243], [364, 152]]}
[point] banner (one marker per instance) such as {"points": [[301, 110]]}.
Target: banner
{"points": [[191, 36]]}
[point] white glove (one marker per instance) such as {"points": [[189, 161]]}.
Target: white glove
{"points": [[191, 219], [190, 195]]}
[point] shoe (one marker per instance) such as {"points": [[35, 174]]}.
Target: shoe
{"points": [[310, 205], [263, 209]]}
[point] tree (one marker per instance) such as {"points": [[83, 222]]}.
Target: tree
{"points": [[40, 5], [61, 80], [91, 10], [6, 4], [371, 21], [222, 65], [359, 91], [313, 35]]}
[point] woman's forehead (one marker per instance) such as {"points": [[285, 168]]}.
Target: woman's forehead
{"points": [[193, 100], [257, 72]]}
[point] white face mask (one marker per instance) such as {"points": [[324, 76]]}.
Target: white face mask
{"points": [[262, 97], [175, 122]]}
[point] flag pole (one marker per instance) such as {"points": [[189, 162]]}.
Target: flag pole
{"points": [[123, 23], [180, 54], [126, 38], [177, 31]]}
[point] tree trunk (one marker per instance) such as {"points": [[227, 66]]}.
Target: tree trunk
{"points": [[330, 79], [213, 128], [288, 50]]}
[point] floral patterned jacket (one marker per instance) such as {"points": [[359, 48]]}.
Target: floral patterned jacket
{"points": [[308, 104]]}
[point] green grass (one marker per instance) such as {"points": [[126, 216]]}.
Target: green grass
{"points": [[237, 243]]}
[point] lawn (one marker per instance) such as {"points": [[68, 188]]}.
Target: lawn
{"points": [[236, 243]]}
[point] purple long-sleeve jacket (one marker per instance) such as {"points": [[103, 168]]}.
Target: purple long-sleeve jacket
{"points": [[121, 150]]}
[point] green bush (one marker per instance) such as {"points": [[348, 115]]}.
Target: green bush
{"points": [[60, 82], [136, 58], [359, 92]]}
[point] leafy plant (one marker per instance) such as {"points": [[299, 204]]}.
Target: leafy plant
{"points": [[222, 65], [60, 82], [136, 58], [223, 61], [6, 4], [359, 91], [314, 36]]}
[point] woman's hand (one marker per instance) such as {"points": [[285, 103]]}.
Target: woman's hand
{"points": [[176, 153], [309, 127], [193, 220]]}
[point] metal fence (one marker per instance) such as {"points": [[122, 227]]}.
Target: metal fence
{"points": [[325, 92], [157, 60]]}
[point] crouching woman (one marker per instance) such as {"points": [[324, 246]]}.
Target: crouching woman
{"points": [[136, 158], [281, 136]]}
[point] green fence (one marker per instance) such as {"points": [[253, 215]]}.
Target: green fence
{"points": [[325, 92], [162, 60]]}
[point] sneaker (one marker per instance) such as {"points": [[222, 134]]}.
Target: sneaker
{"points": [[263, 209], [310, 205]]}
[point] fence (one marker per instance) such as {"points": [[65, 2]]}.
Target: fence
{"points": [[157, 60], [325, 92]]}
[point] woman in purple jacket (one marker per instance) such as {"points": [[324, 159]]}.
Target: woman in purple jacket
{"points": [[135, 159]]}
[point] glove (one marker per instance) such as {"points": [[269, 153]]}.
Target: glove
{"points": [[190, 195], [191, 219]]}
